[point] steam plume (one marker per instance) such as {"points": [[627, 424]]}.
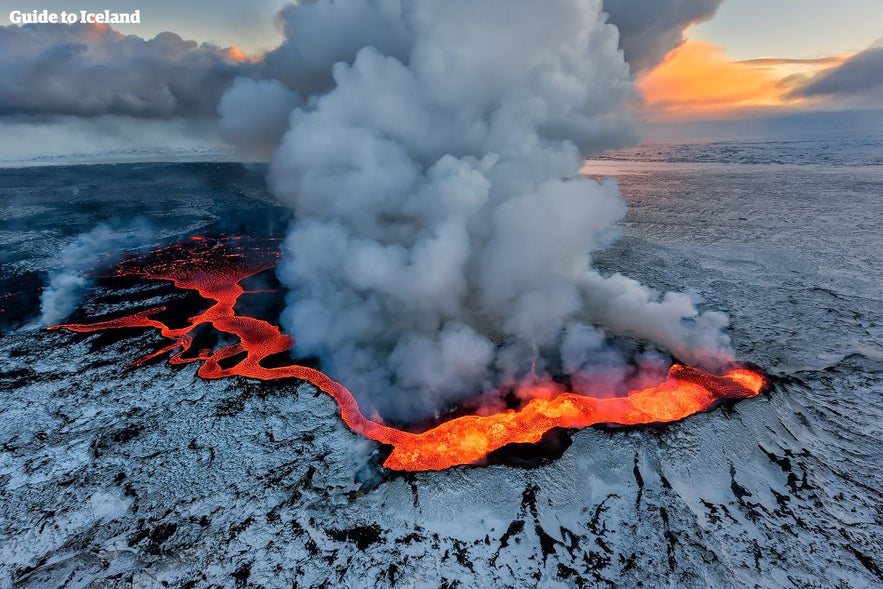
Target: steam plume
{"points": [[649, 29], [444, 234], [253, 115], [105, 243]]}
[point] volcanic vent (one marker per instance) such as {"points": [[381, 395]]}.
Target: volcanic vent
{"points": [[216, 267]]}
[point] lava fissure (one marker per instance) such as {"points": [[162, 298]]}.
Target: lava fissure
{"points": [[215, 269]]}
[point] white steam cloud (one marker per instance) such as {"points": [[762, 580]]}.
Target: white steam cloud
{"points": [[103, 244], [649, 29], [253, 115], [444, 234]]}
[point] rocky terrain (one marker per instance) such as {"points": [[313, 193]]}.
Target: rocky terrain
{"points": [[112, 476]]}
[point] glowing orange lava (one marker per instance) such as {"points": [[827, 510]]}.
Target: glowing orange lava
{"points": [[215, 269]]}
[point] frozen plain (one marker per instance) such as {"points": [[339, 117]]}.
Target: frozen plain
{"points": [[114, 477]]}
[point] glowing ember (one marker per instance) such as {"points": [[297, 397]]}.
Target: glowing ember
{"points": [[216, 268]]}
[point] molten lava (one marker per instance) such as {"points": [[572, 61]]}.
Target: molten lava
{"points": [[215, 269]]}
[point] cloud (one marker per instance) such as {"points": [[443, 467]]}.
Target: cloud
{"points": [[443, 235], [698, 81], [68, 140], [253, 115], [859, 76], [829, 60], [319, 34], [95, 71], [649, 29], [92, 70], [432, 153]]}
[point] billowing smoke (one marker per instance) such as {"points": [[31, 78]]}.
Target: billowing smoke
{"points": [[320, 34], [104, 244], [253, 115], [444, 234], [92, 70], [649, 29]]}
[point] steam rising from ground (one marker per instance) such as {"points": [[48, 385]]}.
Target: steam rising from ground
{"points": [[444, 233], [104, 244]]}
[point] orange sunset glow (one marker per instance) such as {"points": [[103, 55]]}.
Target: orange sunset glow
{"points": [[697, 80], [236, 55]]}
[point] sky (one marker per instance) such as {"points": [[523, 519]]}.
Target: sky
{"points": [[750, 59], [796, 29], [739, 59], [747, 29], [247, 24]]}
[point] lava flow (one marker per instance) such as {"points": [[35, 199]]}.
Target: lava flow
{"points": [[215, 269]]}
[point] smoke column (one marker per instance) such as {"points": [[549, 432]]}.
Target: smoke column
{"points": [[444, 235]]}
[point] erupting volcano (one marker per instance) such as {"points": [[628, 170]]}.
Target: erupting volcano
{"points": [[215, 268]]}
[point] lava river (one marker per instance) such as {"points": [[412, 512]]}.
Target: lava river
{"points": [[216, 268]]}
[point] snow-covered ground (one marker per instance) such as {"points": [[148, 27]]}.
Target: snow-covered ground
{"points": [[151, 477]]}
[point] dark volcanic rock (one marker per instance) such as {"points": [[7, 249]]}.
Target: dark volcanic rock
{"points": [[151, 477]]}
